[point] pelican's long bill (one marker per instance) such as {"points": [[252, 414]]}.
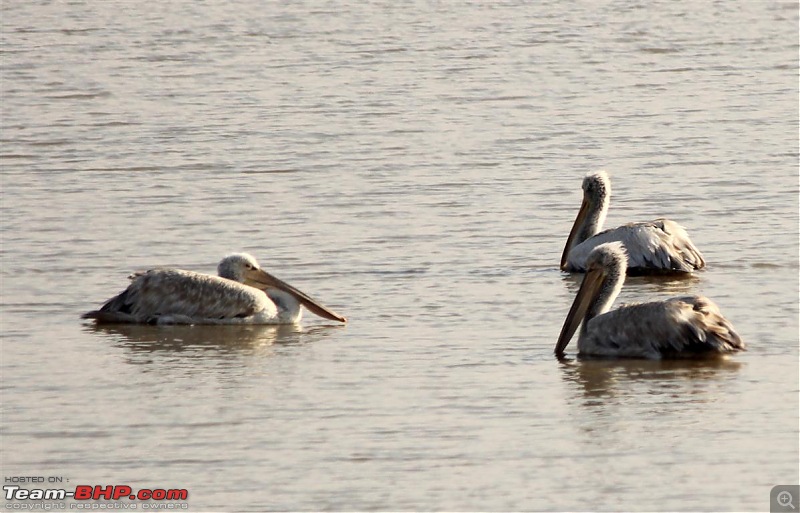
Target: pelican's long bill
{"points": [[261, 279], [576, 226], [592, 283]]}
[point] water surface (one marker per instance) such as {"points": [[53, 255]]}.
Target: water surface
{"points": [[416, 167]]}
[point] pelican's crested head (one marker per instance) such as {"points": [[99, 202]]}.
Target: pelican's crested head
{"points": [[596, 187], [611, 255], [237, 267]]}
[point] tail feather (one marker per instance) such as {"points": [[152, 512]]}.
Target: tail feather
{"points": [[108, 317], [118, 309], [688, 257], [720, 334]]}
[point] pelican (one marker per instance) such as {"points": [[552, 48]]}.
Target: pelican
{"points": [[243, 293], [657, 246], [679, 327]]}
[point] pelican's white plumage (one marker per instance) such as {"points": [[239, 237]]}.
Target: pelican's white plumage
{"points": [[679, 327], [243, 293], [656, 246]]}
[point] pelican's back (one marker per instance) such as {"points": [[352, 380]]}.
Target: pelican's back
{"points": [[657, 246], [177, 296], [680, 327]]}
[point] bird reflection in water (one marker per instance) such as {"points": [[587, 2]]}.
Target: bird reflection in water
{"points": [[651, 284], [216, 339], [597, 377]]}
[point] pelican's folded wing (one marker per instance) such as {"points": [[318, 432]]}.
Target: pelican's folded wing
{"points": [[687, 326], [183, 295], [658, 246]]}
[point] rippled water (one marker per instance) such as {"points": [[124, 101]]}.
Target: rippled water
{"points": [[417, 167]]}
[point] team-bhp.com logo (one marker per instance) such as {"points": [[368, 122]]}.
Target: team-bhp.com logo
{"points": [[98, 493]]}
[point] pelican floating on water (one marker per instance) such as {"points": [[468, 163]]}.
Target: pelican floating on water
{"points": [[679, 327], [653, 247], [243, 293]]}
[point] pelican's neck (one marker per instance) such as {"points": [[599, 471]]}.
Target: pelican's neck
{"points": [[595, 217], [608, 292], [288, 306]]}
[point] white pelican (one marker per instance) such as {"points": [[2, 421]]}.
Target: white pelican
{"points": [[658, 246], [679, 327], [243, 293]]}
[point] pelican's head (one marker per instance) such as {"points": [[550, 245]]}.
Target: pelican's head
{"points": [[605, 274], [607, 257], [592, 214], [596, 188], [243, 268]]}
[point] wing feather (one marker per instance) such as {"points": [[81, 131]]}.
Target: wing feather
{"points": [[678, 327], [181, 296], [658, 246]]}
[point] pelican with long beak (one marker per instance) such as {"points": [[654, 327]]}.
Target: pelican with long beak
{"points": [[679, 327], [659, 246], [243, 293]]}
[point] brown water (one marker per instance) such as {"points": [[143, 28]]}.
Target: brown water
{"points": [[417, 167]]}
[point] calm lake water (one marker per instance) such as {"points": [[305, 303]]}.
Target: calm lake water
{"points": [[416, 166]]}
